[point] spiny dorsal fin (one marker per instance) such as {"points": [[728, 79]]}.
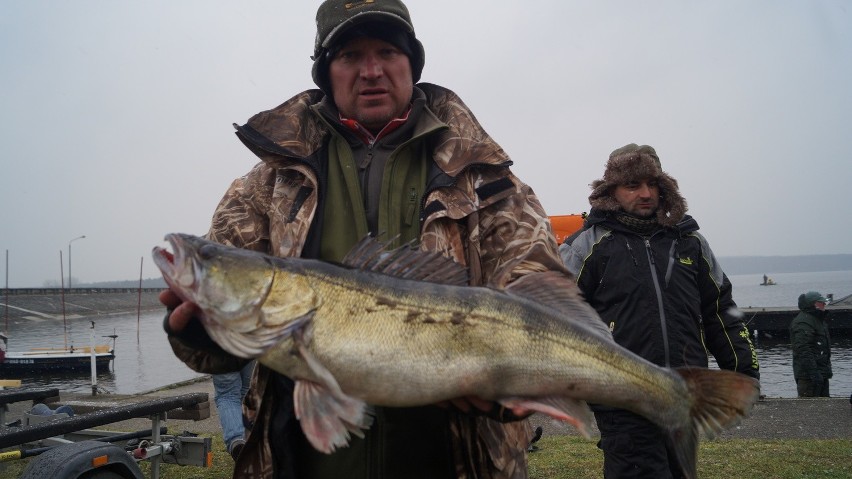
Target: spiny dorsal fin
{"points": [[405, 262], [557, 291]]}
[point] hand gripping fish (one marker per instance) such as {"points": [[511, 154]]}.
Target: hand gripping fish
{"points": [[401, 328]]}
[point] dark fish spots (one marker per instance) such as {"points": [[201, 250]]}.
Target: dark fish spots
{"points": [[384, 302], [420, 317], [380, 304]]}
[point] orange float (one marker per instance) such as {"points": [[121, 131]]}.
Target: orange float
{"points": [[566, 225]]}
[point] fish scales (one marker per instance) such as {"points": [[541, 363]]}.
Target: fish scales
{"points": [[375, 333]]}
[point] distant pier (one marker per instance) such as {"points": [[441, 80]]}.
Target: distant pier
{"points": [[776, 321], [21, 304]]}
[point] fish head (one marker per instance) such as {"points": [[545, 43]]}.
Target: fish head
{"points": [[229, 285]]}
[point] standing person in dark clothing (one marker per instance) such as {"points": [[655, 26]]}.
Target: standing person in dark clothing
{"points": [[811, 346], [374, 151], [641, 263]]}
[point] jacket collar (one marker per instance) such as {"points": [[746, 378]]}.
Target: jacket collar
{"points": [[298, 127], [607, 219]]}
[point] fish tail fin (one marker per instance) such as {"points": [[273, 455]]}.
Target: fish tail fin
{"points": [[720, 399]]}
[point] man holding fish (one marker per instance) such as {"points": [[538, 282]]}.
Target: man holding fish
{"points": [[371, 152], [431, 355]]}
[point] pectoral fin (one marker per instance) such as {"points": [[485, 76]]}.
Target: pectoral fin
{"points": [[327, 415], [327, 419]]}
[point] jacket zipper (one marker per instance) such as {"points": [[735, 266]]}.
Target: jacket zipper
{"points": [[630, 250], [656, 282]]}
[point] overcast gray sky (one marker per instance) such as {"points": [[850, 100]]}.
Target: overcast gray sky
{"points": [[115, 117]]}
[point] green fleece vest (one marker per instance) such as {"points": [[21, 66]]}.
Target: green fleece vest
{"points": [[402, 442], [403, 185]]}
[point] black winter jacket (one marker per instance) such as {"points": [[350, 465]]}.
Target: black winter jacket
{"points": [[664, 297], [811, 344]]}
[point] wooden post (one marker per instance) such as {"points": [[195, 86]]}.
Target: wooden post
{"points": [[62, 293], [94, 363], [139, 300]]}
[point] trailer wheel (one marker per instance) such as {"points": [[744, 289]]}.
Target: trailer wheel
{"points": [[83, 460], [106, 474]]}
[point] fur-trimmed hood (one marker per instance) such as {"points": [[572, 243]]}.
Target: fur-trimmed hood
{"points": [[633, 162]]}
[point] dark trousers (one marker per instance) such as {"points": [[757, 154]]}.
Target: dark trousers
{"points": [[635, 448], [809, 389]]}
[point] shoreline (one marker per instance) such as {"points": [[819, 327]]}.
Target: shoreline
{"points": [[771, 418]]}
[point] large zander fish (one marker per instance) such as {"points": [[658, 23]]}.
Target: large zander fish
{"points": [[402, 328]]}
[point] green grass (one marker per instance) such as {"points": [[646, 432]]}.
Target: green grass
{"points": [[563, 457], [570, 457]]}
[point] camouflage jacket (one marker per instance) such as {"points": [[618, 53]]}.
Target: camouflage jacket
{"points": [[474, 211]]}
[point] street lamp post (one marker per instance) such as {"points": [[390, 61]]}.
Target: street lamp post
{"points": [[69, 258]]}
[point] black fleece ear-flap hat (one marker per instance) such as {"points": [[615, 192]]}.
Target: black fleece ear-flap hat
{"points": [[635, 163], [388, 20]]}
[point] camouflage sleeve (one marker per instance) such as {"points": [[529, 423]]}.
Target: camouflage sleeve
{"points": [[239, 220], [493, 224], [516, 238]]}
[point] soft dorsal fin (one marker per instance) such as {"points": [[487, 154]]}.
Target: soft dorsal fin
{"points": [[558, 291], [405, 262]]}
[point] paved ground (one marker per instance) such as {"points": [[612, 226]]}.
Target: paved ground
{"points": [[823, 418], [828, 418]]}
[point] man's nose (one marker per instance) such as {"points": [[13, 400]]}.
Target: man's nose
{"points": [[371, 67], [644, 190]]}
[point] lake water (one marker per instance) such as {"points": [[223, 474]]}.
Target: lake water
{"points": [[143, 357], [147, 362], [749, 293], [776, 360]]}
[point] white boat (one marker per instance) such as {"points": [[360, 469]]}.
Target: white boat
{"points": [[57, 360]]}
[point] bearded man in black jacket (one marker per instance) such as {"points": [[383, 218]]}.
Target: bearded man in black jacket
{"points": [[654, 280]]}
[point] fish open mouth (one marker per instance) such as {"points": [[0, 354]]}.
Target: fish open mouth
{"points": [[176, 267], [166, 255]]}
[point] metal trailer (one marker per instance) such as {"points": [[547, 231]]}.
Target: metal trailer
{"points": [[65, 447]]}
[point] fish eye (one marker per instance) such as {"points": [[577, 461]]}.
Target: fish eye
{"points": [[207, 251]]}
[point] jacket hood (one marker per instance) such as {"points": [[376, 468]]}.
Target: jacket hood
{"points": [[630, 163]]}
